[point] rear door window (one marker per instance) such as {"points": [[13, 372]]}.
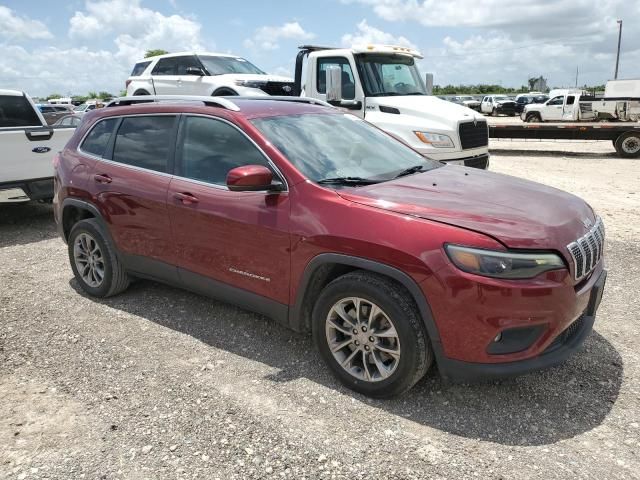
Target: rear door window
{"points": [[210, 148], [139, 68], [146, 142], [16, 111], [98, 138], [166, 66]]}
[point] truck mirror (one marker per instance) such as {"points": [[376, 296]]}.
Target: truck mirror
{"points": [[429, 83], [334, 83]]}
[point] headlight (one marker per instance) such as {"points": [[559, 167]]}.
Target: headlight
{"points": [[251, 83], [435, 139], [489, 263]]}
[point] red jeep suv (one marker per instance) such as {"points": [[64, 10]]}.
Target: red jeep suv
{"points": [[315, 218]]}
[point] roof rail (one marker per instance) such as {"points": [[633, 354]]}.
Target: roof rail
{"points": [[209, 101], [315, 48]]}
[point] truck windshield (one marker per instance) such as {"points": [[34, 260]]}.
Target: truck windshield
{"points": [[388, 75], [222, 65], [340, 146]]}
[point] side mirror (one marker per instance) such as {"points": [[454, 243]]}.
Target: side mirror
{"points": [[334, 83], [251, 178], [195, 71]]}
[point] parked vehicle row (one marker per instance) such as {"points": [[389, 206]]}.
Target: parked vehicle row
{"points": [[495, 105], [52, 113], [379, 83], [271, 205]]}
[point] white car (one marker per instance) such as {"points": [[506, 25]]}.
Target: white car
{"points": [[203, 74]]}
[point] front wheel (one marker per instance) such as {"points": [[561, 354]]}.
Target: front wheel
{"points": [[369, 332], [533, 118], [494, 113]]}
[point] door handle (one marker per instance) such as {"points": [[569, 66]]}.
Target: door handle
{"points": [[186, 198], [102, 178]]}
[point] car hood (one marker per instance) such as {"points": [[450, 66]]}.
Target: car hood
{"points": [[427, 107], [516, 212], [503, 102]]}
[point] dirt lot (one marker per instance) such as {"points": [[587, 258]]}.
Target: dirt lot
{"points": [[158, 383]]}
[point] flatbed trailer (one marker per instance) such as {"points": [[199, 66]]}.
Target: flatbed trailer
{"points": [[625, 136]]}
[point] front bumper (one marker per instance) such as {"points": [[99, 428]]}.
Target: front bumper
{"points": [[565, 317]]}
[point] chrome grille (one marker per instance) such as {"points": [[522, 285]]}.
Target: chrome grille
{"points": [[587, 250]]}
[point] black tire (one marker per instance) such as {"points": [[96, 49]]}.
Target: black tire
{"points": [[628, 145], [533, 118], [416, 352], [115, 279], [141, 92], [225, 92], [494, 112]]}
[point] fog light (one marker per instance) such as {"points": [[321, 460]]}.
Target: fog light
{"points": [[498, 337]]}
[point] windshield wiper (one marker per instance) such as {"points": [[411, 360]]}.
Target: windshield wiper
{"points": [[346, 181], [410, 171], [415, 93]]}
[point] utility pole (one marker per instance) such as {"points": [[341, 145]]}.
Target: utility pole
{"points": [[615, 77], [576, 77]]}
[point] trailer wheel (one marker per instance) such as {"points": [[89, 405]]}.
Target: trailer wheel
{"points": [[533, 118], [628, 145]]}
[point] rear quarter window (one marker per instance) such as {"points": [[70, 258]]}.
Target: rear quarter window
{"points": [[139, 68], [17, 112], [98, 138]]}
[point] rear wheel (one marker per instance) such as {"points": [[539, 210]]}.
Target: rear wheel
{"points": [[94, 261], [368, 330], [628, 145], [494, 113], [141, 92]]}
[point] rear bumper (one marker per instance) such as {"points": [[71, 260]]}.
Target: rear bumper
{"points": [[25, 190], [558, 351]]}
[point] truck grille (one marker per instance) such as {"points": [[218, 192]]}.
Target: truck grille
{"points": [[473, 134], [278, 88], [587, 250]]}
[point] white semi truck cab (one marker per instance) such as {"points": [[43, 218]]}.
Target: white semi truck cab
{"points": [[382, 84]]}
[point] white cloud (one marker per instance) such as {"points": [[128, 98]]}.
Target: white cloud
{"points": [[368, 34], [266, 38], [131, 28], [136, 29], [13, 27], [511, 40]]}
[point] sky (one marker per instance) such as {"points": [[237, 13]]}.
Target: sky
{"points": [[74, 46]]}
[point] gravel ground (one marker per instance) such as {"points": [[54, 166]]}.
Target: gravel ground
{"points": [[158, 383]]}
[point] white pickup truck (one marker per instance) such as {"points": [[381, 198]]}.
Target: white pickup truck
{"points": [[28, 146], [621, 102], [382, 84]]}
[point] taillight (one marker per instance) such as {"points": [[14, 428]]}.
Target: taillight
{"points": [[126, 83]]}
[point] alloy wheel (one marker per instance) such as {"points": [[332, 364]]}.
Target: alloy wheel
{"points": [[89, 260], [363, 339]]}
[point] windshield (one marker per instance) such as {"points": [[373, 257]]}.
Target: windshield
{"points": [[222, 65], [501, 98], [466, 98], [326, 146], [386, 75], [81, 108]]}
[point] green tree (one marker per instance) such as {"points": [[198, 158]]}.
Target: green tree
{"points": [[154, 52], [104, 95], [53, 95], [92, 94], [123, 93]]}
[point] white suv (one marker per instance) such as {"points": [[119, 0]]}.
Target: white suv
{"points": [[191, 73]]}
